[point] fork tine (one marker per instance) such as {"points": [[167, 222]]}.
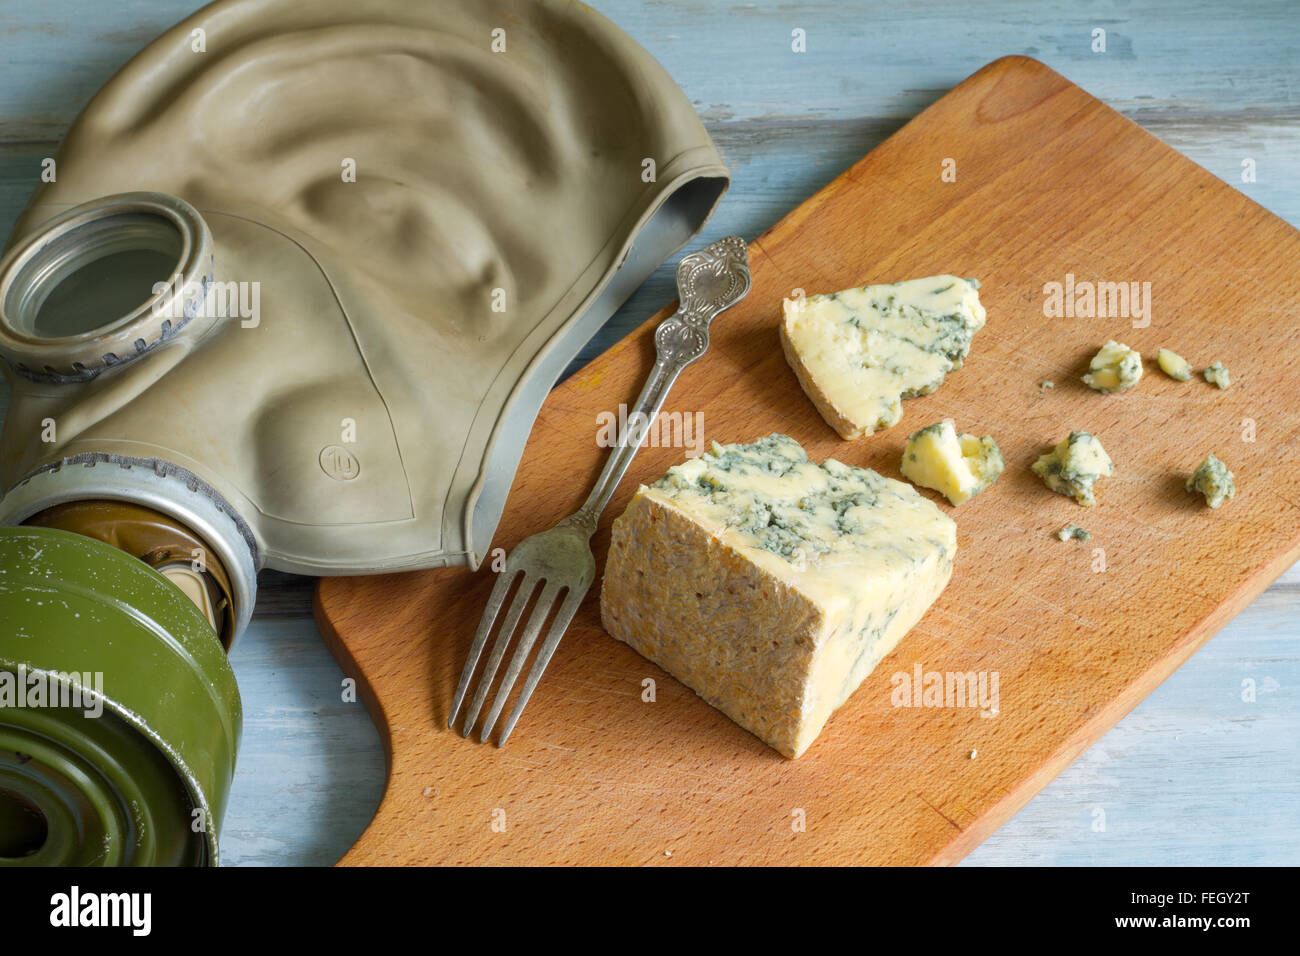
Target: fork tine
{"points": [[526, 587], [495, 600], [562, 619], [545, 604]]}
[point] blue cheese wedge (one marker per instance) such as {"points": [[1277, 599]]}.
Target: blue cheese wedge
{"points": [[1073, 467], [860, 352], [957, 466], [1116, 368], [1213, 480], [1174, 365], [771, 585]]}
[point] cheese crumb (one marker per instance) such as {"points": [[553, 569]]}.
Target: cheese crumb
{"points": [[1174, 365], [1073, 531], [1116, 368], [957, 466], [1073, 466], [1217, 374], [1213, 480]]}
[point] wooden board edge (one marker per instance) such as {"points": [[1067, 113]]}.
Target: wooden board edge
{"points": [[338, 649]]}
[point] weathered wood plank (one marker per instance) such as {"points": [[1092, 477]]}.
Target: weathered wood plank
{"points": [[1200, 58], [311, 767]]}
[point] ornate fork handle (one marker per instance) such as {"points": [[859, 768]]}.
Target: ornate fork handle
{"points": [[708, 282]]}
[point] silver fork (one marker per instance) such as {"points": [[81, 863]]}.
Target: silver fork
{"points": [[560, 559]]}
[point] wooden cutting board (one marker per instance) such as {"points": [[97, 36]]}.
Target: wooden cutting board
{"points": [[1049, 182]]}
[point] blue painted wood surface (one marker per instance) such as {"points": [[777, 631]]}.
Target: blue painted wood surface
{"points": [[1196, 774]]}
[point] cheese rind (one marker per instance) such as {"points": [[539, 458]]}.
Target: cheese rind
{"points": [[1213, 480], [1116, 368], [957, 466], [1073, 466], [858, 353], [770, 585]]}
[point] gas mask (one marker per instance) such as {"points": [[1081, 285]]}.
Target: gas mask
{"points": [[295, 288]]}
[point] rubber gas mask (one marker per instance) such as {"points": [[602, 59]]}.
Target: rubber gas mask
{"points": [[292, 297]]}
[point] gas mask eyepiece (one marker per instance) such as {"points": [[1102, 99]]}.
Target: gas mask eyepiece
{"points": [[102, 285]]}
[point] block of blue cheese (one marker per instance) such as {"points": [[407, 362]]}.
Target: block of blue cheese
{"points": [[860, 352], [771, 585]]}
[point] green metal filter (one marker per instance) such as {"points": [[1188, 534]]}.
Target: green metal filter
{"points": [[119, 713]]}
